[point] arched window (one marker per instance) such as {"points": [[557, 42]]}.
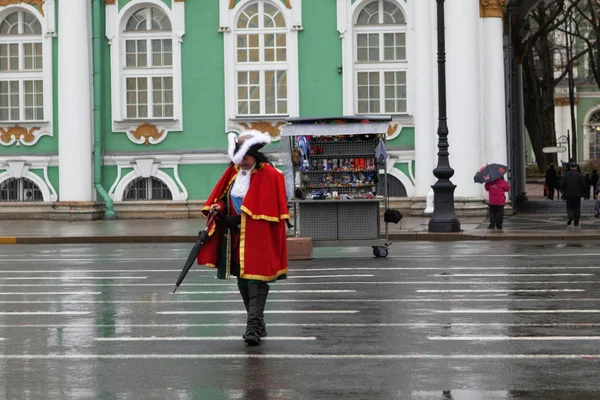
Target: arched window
{"points": [[148, 65], [261, 60], [380, 62], [147, 189], [21, 189], [594, 128], [21, 68]]}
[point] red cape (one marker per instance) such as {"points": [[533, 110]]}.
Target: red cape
{"points": [[263, 250]]}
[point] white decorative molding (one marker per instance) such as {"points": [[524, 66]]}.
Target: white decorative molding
{"points": [[48, 22], [115, 26], [21, 167], [293, 20], [17, 169], [145, 167], [408, 185]]}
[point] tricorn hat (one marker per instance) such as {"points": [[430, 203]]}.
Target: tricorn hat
{"points": [[247, 143]]}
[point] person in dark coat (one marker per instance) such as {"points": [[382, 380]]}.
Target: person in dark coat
{"points": [[572, 188], [559, 180], [551, 181], [586, 190], [594, 182]]}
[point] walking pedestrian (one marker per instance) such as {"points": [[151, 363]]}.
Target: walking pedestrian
{"points": [[558, 181], [551, 181], [496, 202], [588, 183], [572, 187], [248, 239], [594, 182]]}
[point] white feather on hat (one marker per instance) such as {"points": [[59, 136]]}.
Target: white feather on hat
{"points": [[250, 139]]}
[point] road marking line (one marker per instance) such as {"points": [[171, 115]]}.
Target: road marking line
{"points": [[496, 311], [8, 240], [444, 268], [237, 301], [316, 325], [513, 338], [104, 271], [245, 356], [169, 285], [499, 290], [46, 293], [44, 313], [67, 278], [197, 338], [511, 275], [266, 312], [270, 291], [328, 276]]}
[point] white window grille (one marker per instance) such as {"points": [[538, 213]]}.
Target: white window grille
{"points": [[21, 189], [150, 188], [21, 68], [261, 60], [148, 65], [380, 62]]}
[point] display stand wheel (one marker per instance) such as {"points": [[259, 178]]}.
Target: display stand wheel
{"points": [[380, 251]]}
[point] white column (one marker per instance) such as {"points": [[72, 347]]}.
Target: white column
{"points": [[424, 117], [74, 101], [463, 95], [494, 100], [562, 122]]}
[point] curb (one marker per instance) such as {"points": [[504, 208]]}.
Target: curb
{"points": [[394, 237]]}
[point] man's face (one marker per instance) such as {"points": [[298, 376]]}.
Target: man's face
{"points": [[247, 163]]}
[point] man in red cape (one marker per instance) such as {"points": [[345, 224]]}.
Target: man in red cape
{"points": [[248, 233]]}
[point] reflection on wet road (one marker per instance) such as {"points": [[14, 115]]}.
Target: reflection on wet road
{"points": [[454, 321]]}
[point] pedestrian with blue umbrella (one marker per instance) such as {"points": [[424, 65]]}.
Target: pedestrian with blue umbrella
{"points": [[492, 176]]}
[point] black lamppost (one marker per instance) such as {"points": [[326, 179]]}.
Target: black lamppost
{"points": [[443, 218]]}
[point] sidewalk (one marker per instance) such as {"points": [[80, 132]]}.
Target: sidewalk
{"points": [[551, 226]]}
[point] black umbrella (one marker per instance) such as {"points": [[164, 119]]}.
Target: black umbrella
{"points": [[202, 238], [489, 173]]}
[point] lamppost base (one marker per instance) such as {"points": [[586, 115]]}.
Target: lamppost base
{"points": [[441, 226]]}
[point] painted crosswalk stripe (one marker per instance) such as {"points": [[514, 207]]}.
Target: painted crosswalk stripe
{"points": [[503, 299], [169, 285], [498, 290], [198, 338], [511, 275], [502, 311], [330, 269], [246, 356], [270, 291], [512, 338], [44, 313], [46, 293], [314, 325], [266, 312], [67, 278], [330, 276]]}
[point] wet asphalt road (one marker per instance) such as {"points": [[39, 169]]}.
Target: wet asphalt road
{"points": [[459, 321]]}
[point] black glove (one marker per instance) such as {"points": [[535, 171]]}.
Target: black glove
{"points": [[232, 222]]}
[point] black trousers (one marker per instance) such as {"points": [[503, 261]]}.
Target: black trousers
{"points": [[496, 216], [574, 208]]}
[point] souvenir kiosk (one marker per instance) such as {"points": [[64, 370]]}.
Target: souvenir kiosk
{"points": [[336, 169]]}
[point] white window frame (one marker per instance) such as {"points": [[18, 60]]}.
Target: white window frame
{"points": [[228, 23], [116, 22], [47, 19], [347, 16]]}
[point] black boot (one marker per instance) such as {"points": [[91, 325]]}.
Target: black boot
{"points": [[263, 292], [243, 288], [253, 325]]}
